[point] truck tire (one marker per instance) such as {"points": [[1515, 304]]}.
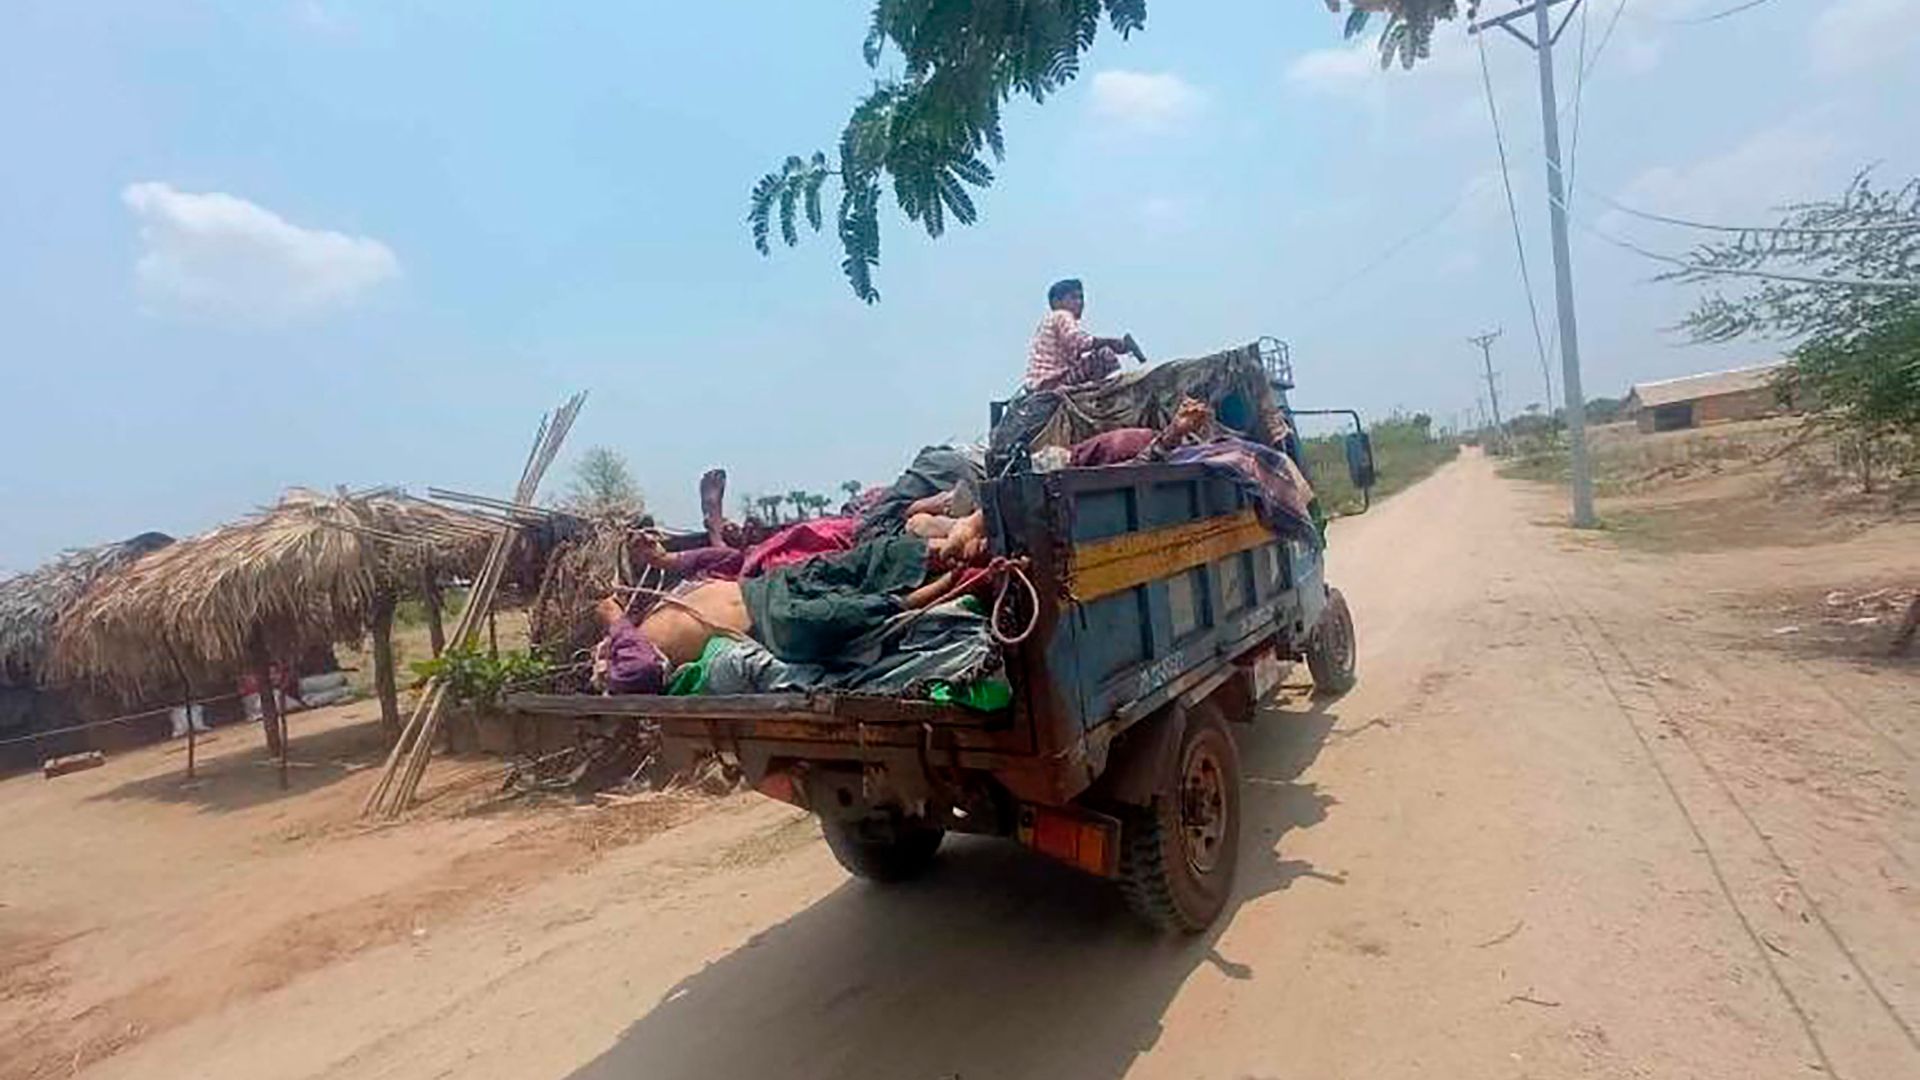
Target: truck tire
{"points": [[1178, 856], [882, 851], [1331, 653]]}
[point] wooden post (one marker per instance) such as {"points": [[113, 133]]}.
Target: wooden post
{"points": [[493, 638], [435, 605], [380, 629], [186, 703], [271, 724]]}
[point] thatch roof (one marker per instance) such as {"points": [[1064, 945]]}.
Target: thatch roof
{"points": [[31, 603], [305, 571]]}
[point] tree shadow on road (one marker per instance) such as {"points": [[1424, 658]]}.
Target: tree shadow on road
{"points": [[998, 964]]}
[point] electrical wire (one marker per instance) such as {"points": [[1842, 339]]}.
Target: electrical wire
{"points": [[1814, 230], [1579, 93], [1729, 271], [1716, 16], [1513, 216], [1606, 38]]}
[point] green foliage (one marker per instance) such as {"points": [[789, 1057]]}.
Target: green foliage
{"points": [[926, 131], [603, 486], [1408, 35], [478, 679], [412, 611], [1404, 451], [1855, 363], [1606, 410]]}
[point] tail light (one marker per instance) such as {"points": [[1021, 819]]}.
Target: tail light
{"points": [[1079, 838]]}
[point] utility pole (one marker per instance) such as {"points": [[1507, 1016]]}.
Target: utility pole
{"points": [[1542, 42], [1485, 341]]}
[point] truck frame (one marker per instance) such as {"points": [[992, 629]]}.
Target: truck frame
{"points": [[1165, 611]]}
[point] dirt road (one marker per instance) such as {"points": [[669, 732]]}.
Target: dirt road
{"points": [[1585, 816]]}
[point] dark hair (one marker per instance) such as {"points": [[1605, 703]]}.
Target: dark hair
{"points": [[1062, 289]]}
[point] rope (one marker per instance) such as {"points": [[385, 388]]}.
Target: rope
{"points": [[126, 718], [1010, 570]]}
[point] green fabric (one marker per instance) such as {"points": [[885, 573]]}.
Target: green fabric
{"points": [[809, 612], [690, 679], [982, 695]]}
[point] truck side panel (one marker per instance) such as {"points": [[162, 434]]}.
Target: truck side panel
{"points": [[1164, 573]]}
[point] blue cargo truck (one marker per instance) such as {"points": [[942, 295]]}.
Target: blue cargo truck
{"points": [[1164, 610]]}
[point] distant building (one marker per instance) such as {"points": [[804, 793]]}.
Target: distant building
{"points": [[1715, 397]]}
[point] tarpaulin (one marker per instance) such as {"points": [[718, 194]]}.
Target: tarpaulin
{"points": [[934, 469], [907, 655], [1234, 382]]}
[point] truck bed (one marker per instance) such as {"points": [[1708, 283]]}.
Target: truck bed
{"points": [[1156, 582]]}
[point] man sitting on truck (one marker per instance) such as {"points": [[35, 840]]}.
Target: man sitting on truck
{"points": [[1064, 354]]}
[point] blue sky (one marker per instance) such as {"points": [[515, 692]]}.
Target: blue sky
{"points": [[252, 245]]}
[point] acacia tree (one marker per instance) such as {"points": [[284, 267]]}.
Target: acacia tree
{"points": [[603, 486], [1840, 279], [928, 130]]}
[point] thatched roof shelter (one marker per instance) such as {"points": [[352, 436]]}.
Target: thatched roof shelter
{"points": [[32, 603], [313, 568]]}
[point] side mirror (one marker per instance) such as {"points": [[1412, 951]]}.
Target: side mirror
{"points": [[1360, 460]]}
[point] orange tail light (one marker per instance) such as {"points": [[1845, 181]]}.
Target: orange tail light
{"points": [[1079, 838]]}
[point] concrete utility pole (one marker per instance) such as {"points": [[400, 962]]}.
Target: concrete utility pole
{"points": [[1485, 341], [1542, 42]]}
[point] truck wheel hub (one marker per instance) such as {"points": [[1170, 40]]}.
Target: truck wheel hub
{"points": [[1203, 808]]}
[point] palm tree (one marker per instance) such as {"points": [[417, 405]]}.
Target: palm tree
{"points": [[801, 501]]}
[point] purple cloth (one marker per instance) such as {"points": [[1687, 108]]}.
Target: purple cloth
{"points": [[634, 664], [718, 563], [1280, 491], [1116, 447]]}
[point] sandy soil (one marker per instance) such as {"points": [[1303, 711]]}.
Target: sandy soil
{"points": [[1587, 815]]}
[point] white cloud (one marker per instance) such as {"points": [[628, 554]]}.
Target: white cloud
{"points": [[1794, 160], [1145, 100], [219, 256], [1853, 35], [1338, 70]]}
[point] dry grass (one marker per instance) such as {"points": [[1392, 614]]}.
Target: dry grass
{"points": [[306, 570], [32, 603]]}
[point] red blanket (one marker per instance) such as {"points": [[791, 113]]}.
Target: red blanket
{"points": [[800, 542]]}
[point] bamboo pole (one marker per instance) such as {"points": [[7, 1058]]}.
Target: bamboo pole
{"points": [[406, 763]]}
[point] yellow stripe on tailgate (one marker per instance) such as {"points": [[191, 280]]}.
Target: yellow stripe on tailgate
{"points": [[1105, 567]]}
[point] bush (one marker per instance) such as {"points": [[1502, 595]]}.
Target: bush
{"points": [[478, 679], [1404, 452]]}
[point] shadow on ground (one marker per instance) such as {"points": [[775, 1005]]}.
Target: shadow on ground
{"points": [[228, 779], [999, 964]]}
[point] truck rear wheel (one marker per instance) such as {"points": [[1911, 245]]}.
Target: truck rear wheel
{"points": [[1178, 856], [1331, 653], [882, 850]]}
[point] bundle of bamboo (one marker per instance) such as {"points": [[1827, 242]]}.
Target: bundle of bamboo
{"points": [[407, 762]]}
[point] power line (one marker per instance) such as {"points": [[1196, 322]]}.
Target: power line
{"points": [[1390, 251], [1812, 230], [1606, 38], [1730, 271], [1513, 216], [1716, 16], [1579, 93]]}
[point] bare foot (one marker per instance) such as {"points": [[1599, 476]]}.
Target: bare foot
{"points": [[713, 498]]}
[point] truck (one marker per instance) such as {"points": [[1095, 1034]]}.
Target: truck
{"points": [[1163, 611]]}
